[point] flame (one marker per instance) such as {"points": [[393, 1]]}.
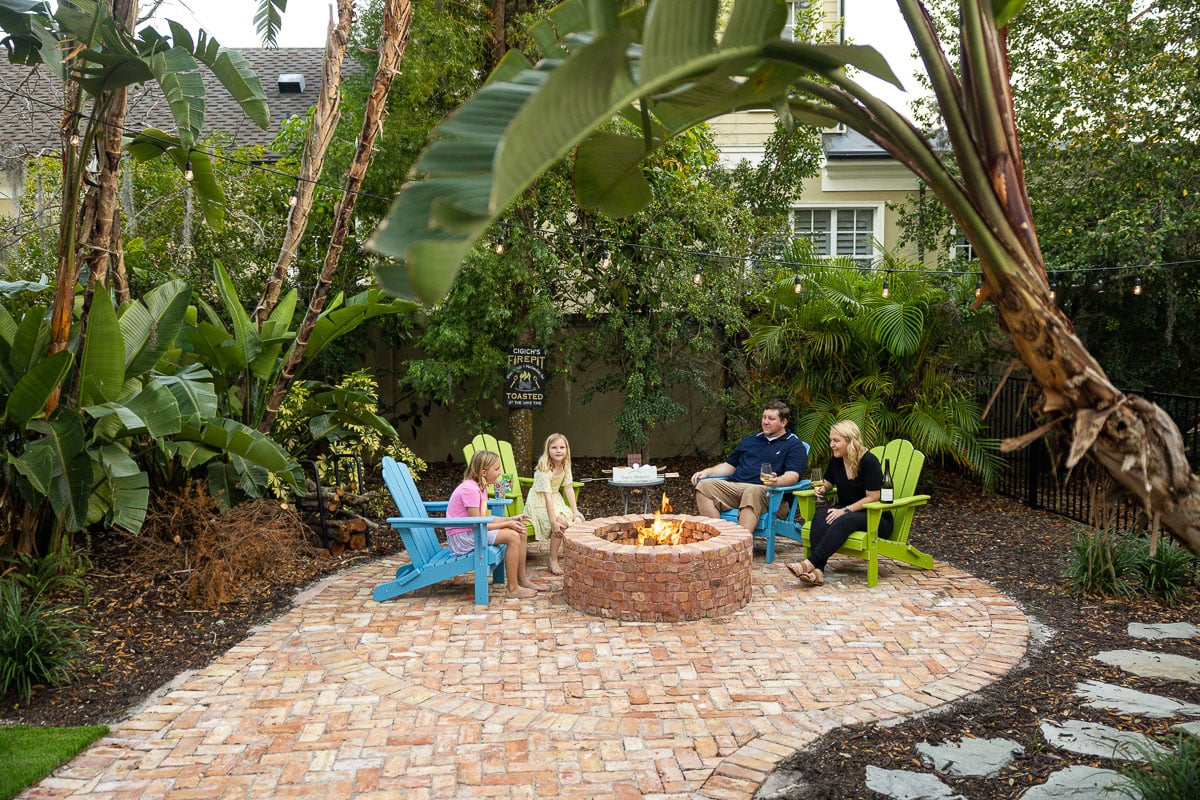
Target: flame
{"points": [[663, 531]]}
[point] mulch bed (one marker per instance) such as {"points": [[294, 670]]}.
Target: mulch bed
{"points": [[144, 633]]}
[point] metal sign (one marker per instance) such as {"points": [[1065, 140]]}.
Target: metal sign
{"points": [[525, 381]]}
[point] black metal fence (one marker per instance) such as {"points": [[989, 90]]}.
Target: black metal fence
{"points": [[1035, 473]]}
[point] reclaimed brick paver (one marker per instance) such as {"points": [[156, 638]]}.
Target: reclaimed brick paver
{"points": [[431, 696]]}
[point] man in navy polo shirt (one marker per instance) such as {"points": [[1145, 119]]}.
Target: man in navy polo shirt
{"points": [[741, 486]]}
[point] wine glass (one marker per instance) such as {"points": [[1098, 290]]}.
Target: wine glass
{"points": [[816, 479], [765, 473]]}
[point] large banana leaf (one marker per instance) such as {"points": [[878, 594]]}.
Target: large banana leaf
{"points": [[58, 467], [337, 321], [30, 341], [245, 442], [192, 388], [29, 396], [244, 331], [102, 368], [121, 493], [153, 143], [493, 147], [149, 326], [152, 410]]}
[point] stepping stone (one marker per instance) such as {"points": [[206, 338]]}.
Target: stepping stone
{"points": [[1093, 739], [782, 784], [1191, 727], [1130, 701], [980, 758], [900, 784], [1153, 665], [1163, 630], [1078, 783]]}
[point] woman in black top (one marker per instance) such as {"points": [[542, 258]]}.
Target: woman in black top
{"points": [[857, 476]]}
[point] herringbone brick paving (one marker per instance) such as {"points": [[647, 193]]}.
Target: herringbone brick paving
{"points": [[429, 696]]}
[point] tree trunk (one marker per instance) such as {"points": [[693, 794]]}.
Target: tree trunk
{"points": [[397, 18], [498, 35], [324, 124]]}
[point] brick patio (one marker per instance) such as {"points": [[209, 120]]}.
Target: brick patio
{"points": [[429, 696]]}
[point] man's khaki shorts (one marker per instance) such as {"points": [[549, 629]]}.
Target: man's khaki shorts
{"points": [[729, 495]]}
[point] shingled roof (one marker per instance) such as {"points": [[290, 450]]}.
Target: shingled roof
{"points": [[31, 101]]}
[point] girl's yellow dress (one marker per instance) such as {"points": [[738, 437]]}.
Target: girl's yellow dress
{"points": [[535, 502]]}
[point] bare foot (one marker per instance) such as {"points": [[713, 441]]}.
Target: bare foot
{"points": [[537, 587], [520, 593], [555, 569]]}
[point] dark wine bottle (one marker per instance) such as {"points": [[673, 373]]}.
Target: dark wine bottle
{"points": [[887, 491]]}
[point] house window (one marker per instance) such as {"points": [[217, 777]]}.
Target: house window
{"points": [[794, 8], [838, 232], [962, 248]]}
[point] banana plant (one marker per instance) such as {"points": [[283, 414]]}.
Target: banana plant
{"points": [[666, 65], [245, 363]]}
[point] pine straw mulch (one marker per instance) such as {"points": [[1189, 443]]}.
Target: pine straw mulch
{"points": [[150, 622]]}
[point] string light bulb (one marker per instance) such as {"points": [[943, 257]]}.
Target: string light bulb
{"points": [[75, 136], [294, 197], [797, 285], [697, 279], [978, 287], [1053, 291], [887, 290], [188, 174], [605, 259], [500, 244], [1137, 285]]}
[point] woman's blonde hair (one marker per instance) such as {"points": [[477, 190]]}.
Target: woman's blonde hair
{"points": [[848, 430], [544, 462], [481, 462]]}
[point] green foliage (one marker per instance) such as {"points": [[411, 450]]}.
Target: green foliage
{"points": [[840, 350], [31, 754], [62, 569], [1173, 775], [1169, 572], [39, 641], [318, 421]]}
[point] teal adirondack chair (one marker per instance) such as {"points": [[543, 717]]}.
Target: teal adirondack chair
{"points": [[906, 462], [508, 466], [771, 525], [432, 562]]}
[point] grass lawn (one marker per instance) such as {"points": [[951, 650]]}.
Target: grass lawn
{"points": [[28, 754]]}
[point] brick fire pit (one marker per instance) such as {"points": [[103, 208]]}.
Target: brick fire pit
{"points": [[608, 574]]}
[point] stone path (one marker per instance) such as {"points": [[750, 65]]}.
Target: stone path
{"points": [[987, 757], [429, 696]]}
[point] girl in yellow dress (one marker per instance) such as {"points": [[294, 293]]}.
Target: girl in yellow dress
{"points": [[551, 501]]}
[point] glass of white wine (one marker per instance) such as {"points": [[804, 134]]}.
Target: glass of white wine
{"points": [[766, 472], [816, 477]]}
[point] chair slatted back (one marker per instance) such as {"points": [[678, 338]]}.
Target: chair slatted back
{"points": [[422, 543], [906, 463]]}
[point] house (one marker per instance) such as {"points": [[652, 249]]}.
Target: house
{"points": [[31, 105], [844, 210]]}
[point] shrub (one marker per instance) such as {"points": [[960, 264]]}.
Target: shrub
{"points": [[1168, 572], [59, 570], [1168, 776], [39, 641], [1103, 561]]}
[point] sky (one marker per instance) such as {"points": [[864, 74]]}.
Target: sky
{"points": [[305, 23]]}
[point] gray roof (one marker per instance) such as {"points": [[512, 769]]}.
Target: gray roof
{"points": [[851, 144], [31, 102]]}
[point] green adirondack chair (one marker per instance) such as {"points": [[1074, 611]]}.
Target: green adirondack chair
{"points": [[508, 466], [906, 462]]}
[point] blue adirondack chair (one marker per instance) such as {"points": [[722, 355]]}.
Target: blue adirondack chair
{"points": [[770, 524], [432, 562]]}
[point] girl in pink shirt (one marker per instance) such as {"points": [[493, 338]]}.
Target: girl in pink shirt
{"points": [[469, 499]]}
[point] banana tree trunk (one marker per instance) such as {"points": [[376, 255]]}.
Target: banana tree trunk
{"points": [[324, 124], [397, 20]]}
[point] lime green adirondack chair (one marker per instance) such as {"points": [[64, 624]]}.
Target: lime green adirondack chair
{"points": [[508, 466], [906, 462]]}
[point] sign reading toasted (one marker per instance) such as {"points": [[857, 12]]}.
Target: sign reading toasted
{"points": [[525, 382]]}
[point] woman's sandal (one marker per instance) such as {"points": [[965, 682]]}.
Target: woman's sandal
{"points": [[797, 568], [814, 578]]}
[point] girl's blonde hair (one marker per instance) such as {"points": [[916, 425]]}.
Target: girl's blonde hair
{"points": [[544, 462], [848, 430], [481, 462]]}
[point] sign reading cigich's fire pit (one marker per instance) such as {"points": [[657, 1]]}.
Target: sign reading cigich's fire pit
{"points": [[660, 568], [525, 381]]}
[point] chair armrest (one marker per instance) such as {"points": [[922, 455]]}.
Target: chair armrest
{"points": [[901, 502], [436, 505], [524, 481], [498, 505], [438, 522]]}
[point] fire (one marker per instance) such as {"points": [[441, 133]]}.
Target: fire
{"points": [[663, 531]]}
